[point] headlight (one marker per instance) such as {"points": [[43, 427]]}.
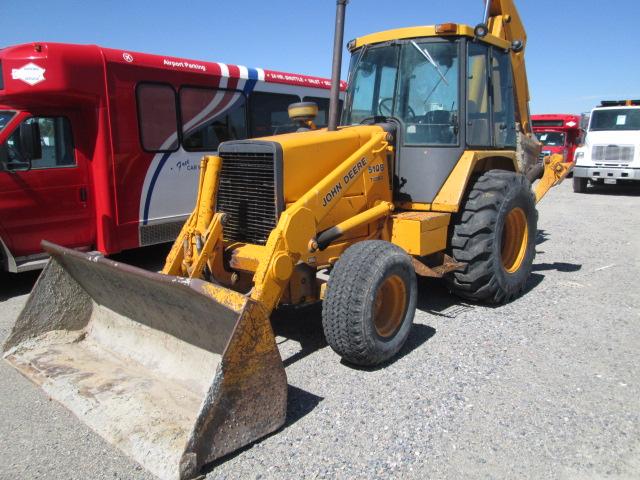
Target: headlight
{"points": [[578, 156]]}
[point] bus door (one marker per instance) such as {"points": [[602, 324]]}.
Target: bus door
{"points": [[47, 196]]}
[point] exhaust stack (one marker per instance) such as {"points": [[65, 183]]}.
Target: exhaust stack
{"points": [[337, 64]]}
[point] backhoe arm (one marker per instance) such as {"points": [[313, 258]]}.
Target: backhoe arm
{"points": [[504, 22]]}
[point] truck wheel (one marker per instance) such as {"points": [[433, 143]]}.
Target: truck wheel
{"points": [[494, 237], [580, 185], [370, 302]]}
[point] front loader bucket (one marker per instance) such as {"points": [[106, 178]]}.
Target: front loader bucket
{"points": [[175, 372]]}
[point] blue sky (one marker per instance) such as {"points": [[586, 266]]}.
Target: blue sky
{"points": [[576, 54]]}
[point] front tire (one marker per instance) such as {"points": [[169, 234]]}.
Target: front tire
{"points": [[370, 302], [580, 185], [494, 238]]}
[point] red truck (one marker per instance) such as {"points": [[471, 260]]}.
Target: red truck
{"points": [[100, 148], [559, 133]]}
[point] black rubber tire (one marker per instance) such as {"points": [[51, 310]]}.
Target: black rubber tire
{"points": [[580, 184], [348, 309], [476, 238]]}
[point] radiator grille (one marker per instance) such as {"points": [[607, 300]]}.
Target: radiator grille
{"points": [[613, 153], [247, 194], [543, 153]]}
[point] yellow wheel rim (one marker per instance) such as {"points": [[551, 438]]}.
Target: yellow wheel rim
{"points": [[515, 236], [389, 306]]}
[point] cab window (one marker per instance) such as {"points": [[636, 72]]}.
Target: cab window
{"points": [[503, 102], [56, 142], [478, 120], [5, 117]]}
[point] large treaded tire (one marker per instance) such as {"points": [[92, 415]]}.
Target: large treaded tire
{"points": [[349, 309], [477, 237]]}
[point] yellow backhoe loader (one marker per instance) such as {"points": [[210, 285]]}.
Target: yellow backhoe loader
{"points": [[429, 173]]}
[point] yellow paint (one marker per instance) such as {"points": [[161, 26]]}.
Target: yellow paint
{"points": [[555, 171], [297, 111], [414, 206], [515, 239], [246, 257], [368, 216], [425, 31], [450, 195], [282, 267], [183, 248], [420, 233], [233, 300]]}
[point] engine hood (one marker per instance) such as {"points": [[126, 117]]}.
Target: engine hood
{"points": [[309, 156]]}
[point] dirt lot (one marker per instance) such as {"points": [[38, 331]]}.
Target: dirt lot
{"points": [[545, 387]]}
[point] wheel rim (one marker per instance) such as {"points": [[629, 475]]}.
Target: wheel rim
{"points": [[515, 235], [389, 306]]}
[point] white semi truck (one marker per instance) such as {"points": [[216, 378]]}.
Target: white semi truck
{"points": [[611, 152]]}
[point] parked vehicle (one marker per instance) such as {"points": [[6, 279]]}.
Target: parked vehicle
{"points": [[611, 153], [100, 149], [558, 133]]}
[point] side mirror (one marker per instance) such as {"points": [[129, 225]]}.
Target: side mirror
{"points": [[30, 145]]}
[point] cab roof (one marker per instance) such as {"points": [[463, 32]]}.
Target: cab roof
{"points": [[442, 30]]}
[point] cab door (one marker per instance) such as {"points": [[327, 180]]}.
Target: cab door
{"points": [[47, 197]]}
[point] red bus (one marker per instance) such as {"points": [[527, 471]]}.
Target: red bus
{"points": [[100, 148], [558, 133]]}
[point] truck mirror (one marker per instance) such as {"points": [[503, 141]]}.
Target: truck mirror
{"points": [[30, 145]]}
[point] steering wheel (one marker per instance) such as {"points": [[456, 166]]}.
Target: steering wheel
{"points": [[382, 106]]}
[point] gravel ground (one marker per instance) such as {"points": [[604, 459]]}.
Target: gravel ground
{"points": [[545, 387]]}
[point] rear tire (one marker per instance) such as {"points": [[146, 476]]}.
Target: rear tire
{"points": [[580, 184], [370, 302], [494, 237]]}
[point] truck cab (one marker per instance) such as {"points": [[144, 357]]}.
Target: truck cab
{"points": [[611, 153], [44, 183], [559, 134]]}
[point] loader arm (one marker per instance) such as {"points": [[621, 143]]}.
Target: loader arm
{"points": [[295, 234]]}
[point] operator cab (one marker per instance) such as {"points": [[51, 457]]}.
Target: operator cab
{"points": [[445, 89]]}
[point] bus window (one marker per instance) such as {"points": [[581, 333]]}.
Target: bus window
{"points": [[270, 113], [157, 117], [56, 142], [323, 110], [211, 116]]}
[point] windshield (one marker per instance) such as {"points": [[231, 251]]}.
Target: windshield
{"points": [[416, 82], [615, 119], [551, 139], [5, 117]]}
